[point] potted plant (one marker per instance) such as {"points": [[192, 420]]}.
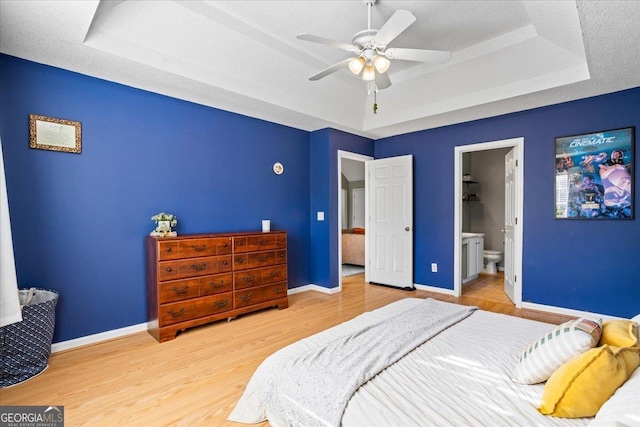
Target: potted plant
{"points": [[164, 224]]}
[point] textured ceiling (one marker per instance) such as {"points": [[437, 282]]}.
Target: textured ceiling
{"points": [[243, 56]]}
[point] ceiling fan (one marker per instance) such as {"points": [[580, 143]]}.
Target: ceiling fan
{"points": [[372, 52]]}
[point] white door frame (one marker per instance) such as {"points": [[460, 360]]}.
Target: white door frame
{"points": [[353, 156], [457, 226]]}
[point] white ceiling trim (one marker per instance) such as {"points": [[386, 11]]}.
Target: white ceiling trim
{"points": [[242, 56]]}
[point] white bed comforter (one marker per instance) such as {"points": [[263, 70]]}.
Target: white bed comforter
{"points": [[461, 377]]}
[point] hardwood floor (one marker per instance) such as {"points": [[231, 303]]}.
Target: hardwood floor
{"points": [[196, 379]]}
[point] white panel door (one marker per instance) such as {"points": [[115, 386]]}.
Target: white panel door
{"points": [[510, 219], [389, 231], [358, 207]]}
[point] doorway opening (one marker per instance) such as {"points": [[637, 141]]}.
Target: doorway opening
{"points": [[472, 224], [351, 184]]}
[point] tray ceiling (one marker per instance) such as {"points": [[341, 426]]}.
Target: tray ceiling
{"points": [[243, 56]]}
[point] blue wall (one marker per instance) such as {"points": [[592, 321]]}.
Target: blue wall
{"points": [[79, 220], [578, 264]]}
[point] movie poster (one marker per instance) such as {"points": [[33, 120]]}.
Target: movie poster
{"points": [[594, 175]]}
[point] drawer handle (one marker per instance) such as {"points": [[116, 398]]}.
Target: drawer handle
{"points": [[260, 259], [240, 243], [278, 290], [225, 262], [249, 278], [282, 255], [169, 269], [178, 314], [198, 248], [239, 260], [262, 242], [245, 298], [224, 245], [181, 291], [222, 303], [275, 274], [168, 249], [216, 286], [199, 267]]}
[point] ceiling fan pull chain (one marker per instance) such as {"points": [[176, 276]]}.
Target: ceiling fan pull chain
{"points": [[375, 101]]}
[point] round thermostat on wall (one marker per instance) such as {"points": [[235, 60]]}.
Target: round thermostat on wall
{"points": [[278, 168]]}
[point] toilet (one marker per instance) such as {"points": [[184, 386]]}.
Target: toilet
{"points": [[491, 258]]}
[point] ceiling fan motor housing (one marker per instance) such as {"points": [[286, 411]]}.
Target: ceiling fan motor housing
{"points": [[365, 40]]}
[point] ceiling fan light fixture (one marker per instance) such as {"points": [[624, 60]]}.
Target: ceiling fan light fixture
{"points": [[356, 65], [369, 73], [381, 63]]}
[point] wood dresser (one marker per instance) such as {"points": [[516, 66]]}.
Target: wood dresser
{"points": [[200, 278]]}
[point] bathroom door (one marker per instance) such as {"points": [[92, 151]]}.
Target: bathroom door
{"points": [[510, 220], [389, 218]]}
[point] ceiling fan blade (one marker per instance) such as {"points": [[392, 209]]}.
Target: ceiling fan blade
{"points": [[420, 55], [399, 22], [332, 69], [382, 80], [328, 42]]}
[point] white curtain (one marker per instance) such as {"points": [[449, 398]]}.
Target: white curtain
{"points": [[9, 302]]}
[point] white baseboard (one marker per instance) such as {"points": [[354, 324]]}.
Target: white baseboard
{"points": [[434, 289], [566, 311], [96, 338], [312, 287]]}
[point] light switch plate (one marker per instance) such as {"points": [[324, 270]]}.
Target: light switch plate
{"points": [[320, 216]]}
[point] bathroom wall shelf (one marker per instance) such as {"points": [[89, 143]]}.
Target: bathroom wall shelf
{"points": [[466, 196]]}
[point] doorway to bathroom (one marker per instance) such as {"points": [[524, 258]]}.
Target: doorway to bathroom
{"points": [[488, 210]]}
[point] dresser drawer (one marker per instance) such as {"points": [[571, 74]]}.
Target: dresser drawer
{"points": [[203, 266], [168, 270], [281, 240], [247, 279], [281, 257], [205, 247], [167, 250], [260, 294], [216, 284], [178, 290], [259, 276], [258, 242], [176, 312], [254, 260], [274, 274]]}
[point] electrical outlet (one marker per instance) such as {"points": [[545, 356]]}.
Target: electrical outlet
{"points": [[320, 216], [434, 267]]}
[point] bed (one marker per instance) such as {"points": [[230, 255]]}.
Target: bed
{"points": [[461, 376], [353, 246]]}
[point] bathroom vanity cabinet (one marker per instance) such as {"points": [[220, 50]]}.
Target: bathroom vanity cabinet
{"points": [[472, 255]]}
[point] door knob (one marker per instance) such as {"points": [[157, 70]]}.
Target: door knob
{"points": [[504, 230], [407, 229]]}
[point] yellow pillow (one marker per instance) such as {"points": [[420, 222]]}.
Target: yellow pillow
{"points": [[581, 386], [619, 333]]}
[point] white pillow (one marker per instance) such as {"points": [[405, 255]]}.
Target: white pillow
{"points": [[623, 408], [546, 354], [636, 319]]}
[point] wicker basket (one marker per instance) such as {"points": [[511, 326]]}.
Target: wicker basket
{"points": [[25, 346]]}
